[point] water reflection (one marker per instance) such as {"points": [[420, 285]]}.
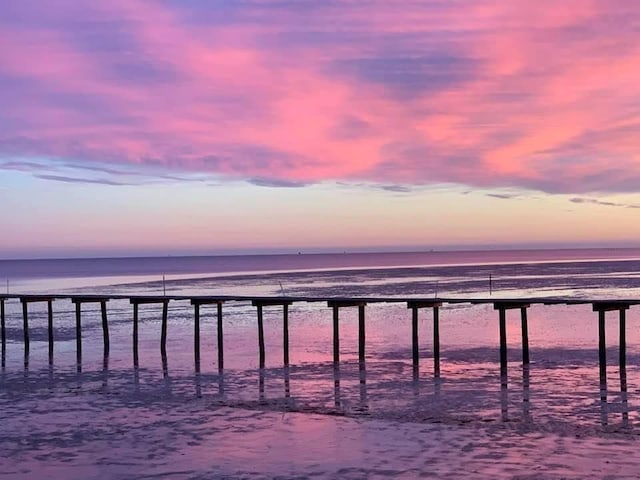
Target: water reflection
{"points": [[606, 408], [105, 371], [221, 383], [261, 396], [364, 404], [165, 366], [287, 383], [336, 386], [526, 393], [526, 396]]}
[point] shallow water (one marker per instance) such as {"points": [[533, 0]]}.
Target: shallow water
{"points": [[110, 420]]}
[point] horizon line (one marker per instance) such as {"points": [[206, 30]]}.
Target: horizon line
{"points": [[325, 251]]}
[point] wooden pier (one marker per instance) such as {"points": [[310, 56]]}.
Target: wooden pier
{"points": [[601, 307]]}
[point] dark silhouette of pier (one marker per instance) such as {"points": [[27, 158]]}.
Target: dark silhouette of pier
{"points": [[601, 307]]}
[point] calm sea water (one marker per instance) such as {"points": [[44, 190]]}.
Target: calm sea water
{"points": [[454, 270]]}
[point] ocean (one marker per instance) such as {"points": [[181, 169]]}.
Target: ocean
{"points": [[181, 422]]}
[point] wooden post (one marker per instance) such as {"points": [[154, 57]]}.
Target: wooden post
{"points": [[196, 335], [135, 334], [361, 335], [25, 326], [261, 337], [602, 347], [3, 331], [415, 305], [525, 336], [285, 333], [623, 340], [503, 344], [336, 336], [436, 340], [220, 339], [78, 334], [197, 303], [414, 336], [163, 332], [50, 329], [105, 327]]}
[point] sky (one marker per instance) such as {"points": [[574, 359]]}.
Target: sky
{"points": [[193, 126]]}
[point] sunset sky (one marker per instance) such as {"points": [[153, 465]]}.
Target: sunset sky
{"points": [[193, 126]]}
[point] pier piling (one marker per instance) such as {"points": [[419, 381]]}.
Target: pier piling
{"points": [[259, 303], [602, 347], [503, 343], [525, 335], [336, 336], [261, 336], [415, 306], [502, 307], [196, 336], [105, 327], [136, 302], [285, 334], [3, 331], [197, 303], [335, 305], [135, 335], [25, 327], [220, 339], [26, 300], [623, 340], [78, 301], [602, 308], [361, 334], [163, 333], [78, 334]]}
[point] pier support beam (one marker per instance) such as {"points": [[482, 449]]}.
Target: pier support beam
{"points": [[3, 331], [220, 339], [105, 328], [197, 303], [602, 308], [259, 303], [26, 300], [136, 302], [502, 307], [336, 305], [415, 306], [78, 301]]}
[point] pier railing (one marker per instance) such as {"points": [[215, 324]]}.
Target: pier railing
{"points": [[601, 307]]}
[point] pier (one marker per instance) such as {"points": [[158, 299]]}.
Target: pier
{"points": [[415, 305]]}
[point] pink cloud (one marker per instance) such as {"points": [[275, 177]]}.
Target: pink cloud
{"points": [[540, 95]]}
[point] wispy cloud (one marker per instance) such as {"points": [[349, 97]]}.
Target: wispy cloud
{"points": [[604, 203], [274, 182], [519, 94], [503, 196], [62, 178]]}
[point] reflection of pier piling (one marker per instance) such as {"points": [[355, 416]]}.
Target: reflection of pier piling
{"points": [[3, 331]]}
